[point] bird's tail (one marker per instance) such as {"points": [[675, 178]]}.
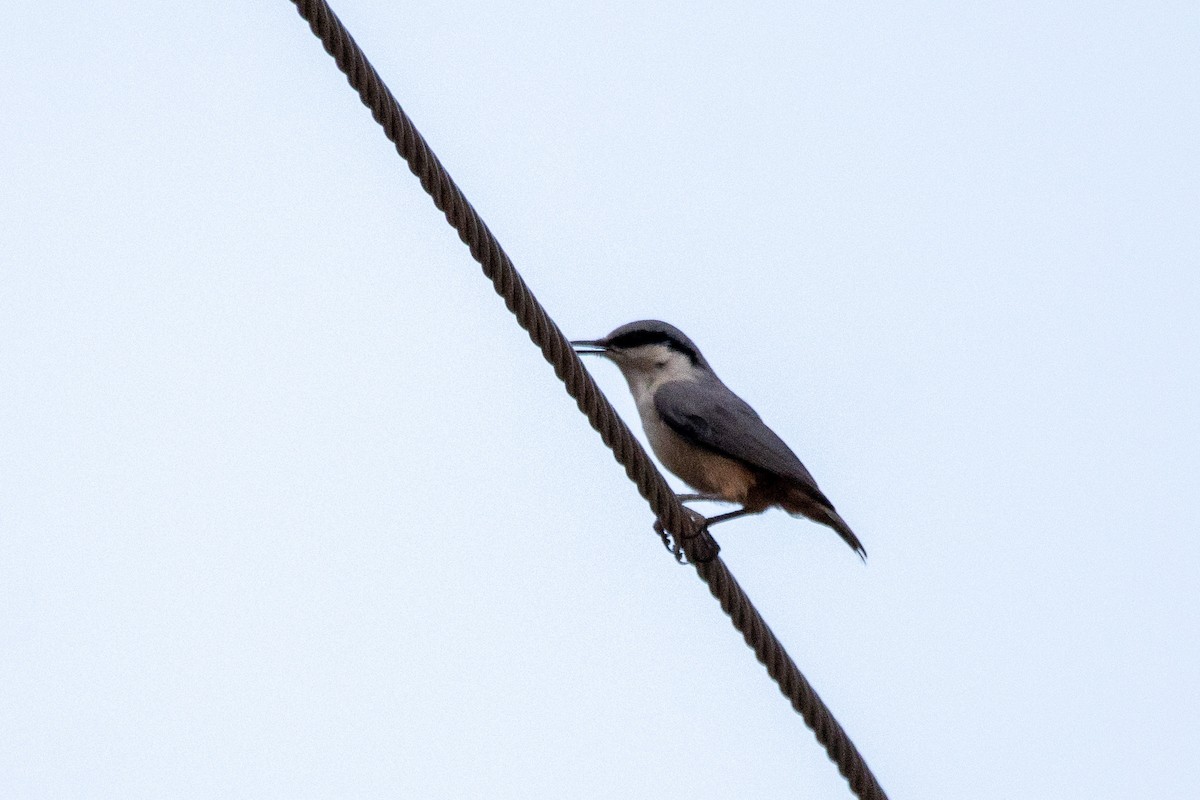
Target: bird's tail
{"points": [[819, 509], [835, 521]]}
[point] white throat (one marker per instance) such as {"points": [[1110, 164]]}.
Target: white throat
{"points": [[650, 366]]}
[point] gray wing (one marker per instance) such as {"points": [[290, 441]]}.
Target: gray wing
{"points": [[713, 417]]}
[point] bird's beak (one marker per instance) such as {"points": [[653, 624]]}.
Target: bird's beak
{"points": [[593, 346]]}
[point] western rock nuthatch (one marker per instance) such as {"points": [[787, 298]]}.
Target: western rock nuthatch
{"points": [[706, 434]]}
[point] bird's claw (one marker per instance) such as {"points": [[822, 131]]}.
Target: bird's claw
{"points": [[706, 549], [670, 542]]}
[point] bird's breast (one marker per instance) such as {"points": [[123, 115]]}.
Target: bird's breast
{"points": [[698, 467]]}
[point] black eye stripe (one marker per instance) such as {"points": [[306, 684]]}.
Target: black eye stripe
{"points": [[640, 338]]}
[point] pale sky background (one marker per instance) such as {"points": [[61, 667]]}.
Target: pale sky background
{"points": [[290, 507]]}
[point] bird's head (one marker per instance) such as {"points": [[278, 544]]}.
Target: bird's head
{"points": [[649, 353]]}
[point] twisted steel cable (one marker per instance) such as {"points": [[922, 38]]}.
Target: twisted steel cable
{"points": [[688, 531]]}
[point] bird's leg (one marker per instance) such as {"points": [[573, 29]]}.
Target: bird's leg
{"points": [[688, 498], [741, 512]]}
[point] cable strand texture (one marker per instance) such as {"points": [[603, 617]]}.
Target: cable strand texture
{"points": [[695, 541]]}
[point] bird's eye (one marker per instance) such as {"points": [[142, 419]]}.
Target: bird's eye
{"points": [[660, 364]]}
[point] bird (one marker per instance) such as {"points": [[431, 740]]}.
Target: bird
{"points": [[707, 435]]}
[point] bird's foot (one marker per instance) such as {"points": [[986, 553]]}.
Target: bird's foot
{"points": [[670, 542], [705, 550]]}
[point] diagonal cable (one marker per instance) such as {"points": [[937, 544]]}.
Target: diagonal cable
{"points": [[694, 540]]}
